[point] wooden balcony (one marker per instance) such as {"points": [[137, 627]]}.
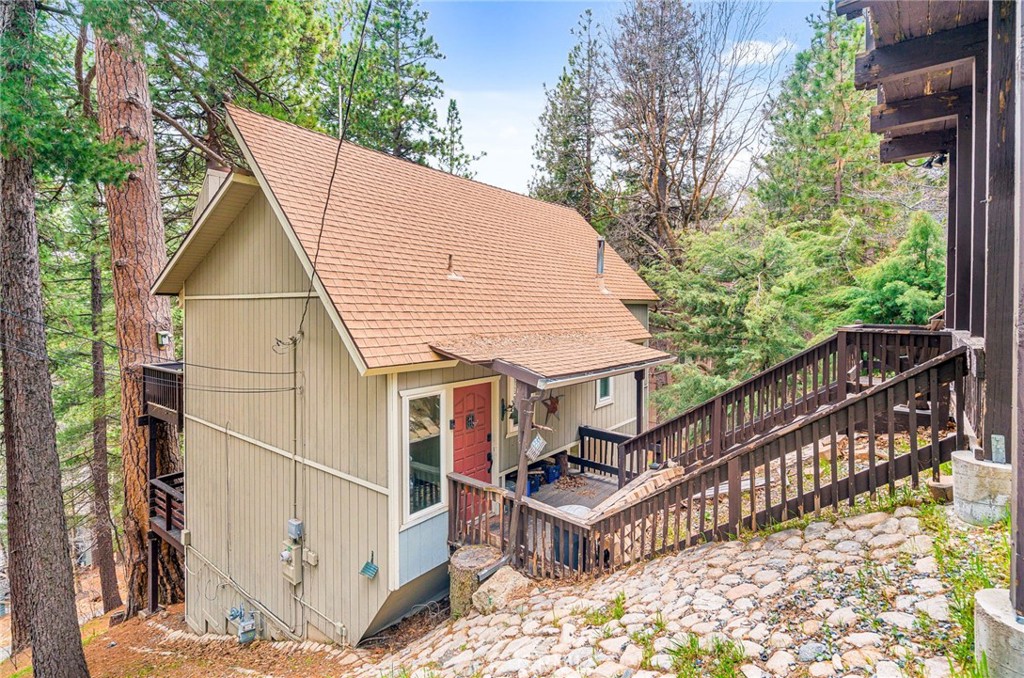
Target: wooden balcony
{"points": [[167, 507], [163, 392]]}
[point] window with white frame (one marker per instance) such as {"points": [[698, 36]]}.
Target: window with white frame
{"points": [[424, 452], [605, 396], [511, 413]]}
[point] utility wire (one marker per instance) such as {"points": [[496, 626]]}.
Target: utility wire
{"points": [[155, 379], [337, 156], [125, 349]]}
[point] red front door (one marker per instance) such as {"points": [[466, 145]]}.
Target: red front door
{"points": [[471, 443]]}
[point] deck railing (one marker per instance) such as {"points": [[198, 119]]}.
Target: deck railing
{"points": [[167, 506], [797, 468], [163, 392], [599, 451], [855, 358]]}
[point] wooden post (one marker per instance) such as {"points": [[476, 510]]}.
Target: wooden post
{"points": [[154, 573], [526, 396], [641, 412], [1017, 345], [951, 240], [842, 364], [999, 271], [735, 498], [979, 196], [964, 216], [717, 426]]}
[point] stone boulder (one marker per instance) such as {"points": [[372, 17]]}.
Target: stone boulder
{"points": [[504, 586]]}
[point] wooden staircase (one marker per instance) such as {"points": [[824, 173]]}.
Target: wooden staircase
{"points": [[850, 416], [852, 360]]}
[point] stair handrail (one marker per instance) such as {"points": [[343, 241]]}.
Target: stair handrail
{"points": [[836, 366]]}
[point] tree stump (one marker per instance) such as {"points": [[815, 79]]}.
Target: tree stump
{"points": [[463, 568]]}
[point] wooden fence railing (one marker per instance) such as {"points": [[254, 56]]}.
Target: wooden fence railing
{"points": [[856, 357], [599, 451], [163, 392], [801, 467], [167, 507]]}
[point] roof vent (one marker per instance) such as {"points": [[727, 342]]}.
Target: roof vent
{"points": [[452, 275], [600, 265]]}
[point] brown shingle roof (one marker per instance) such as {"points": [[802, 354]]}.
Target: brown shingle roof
{"points": [[522, 265]]}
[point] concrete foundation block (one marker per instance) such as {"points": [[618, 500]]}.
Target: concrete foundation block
{"points": [[982, 488], [998, 636]]}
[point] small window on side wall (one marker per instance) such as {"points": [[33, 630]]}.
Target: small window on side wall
{"points": [[604, 391], [425, 467], [511, 413]]}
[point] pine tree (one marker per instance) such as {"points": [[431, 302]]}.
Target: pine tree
{"points": [[393, 102], [822, 155], [566, 148], [452, 156], [41, 575]]}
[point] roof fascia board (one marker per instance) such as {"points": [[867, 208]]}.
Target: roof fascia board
{"points": [[307, 265], [527, 376], [573, 379], [234, 179], [411, 367]]}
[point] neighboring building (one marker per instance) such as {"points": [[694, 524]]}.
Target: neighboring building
{"points": [[345, 404]]}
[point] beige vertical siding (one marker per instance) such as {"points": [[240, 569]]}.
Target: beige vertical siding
{"points": [[241, 483], [577, 406], [423, 546], [244, 426], [211, 184]]}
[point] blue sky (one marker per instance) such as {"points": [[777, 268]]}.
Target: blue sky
{"points": [[501, 53]]}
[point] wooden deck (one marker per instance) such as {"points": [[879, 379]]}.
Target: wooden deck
{"points": [[783, 445], [592, 491]]}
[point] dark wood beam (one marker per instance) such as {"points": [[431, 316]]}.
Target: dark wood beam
{"points": [[851, 9], [950, 306], [1017, 493], [1000, 260], [918, 56], [895, 115], [979, 197], [914, 146], [964, 219]]}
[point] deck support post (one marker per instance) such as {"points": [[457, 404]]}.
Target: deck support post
{"points": [[641, 418], [154, 572], [1016, 428], [526, 396]]}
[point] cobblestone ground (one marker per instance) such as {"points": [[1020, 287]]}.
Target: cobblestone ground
{"points": [[856, 597]]}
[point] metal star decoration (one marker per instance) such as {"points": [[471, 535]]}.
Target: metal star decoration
{"points": [[552, 407]]}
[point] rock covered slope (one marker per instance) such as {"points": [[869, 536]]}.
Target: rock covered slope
{"points": [[859, 596]]}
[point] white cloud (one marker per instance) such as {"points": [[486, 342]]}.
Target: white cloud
{"points": [[759, 52]]}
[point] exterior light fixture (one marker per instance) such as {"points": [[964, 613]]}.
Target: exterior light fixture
{"points": [[163, 339]]}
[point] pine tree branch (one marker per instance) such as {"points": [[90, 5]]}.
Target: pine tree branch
{"points": [[257, 90], [191, 138]]}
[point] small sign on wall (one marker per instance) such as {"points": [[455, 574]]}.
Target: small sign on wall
{"points": [[537, 446]]}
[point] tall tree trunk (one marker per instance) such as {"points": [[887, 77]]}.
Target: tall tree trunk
{"points": [[138, 255], [99, 469], [17, 535], [42, 564]]}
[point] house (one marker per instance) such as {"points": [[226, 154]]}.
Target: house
{"points": [[321, 418], [443, 312]]}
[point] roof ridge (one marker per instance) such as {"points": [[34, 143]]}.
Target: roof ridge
{"points": [[390, 157]]}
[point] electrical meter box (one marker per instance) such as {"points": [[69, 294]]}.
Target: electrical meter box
{"points": [[291, 562], [294, 529]]}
